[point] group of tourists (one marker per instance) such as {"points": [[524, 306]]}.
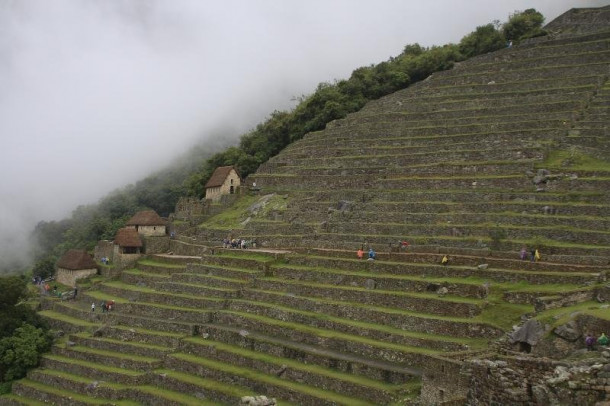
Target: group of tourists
{"points": [[372, 255], [534, 255], [236, 243], [105, 306], [601, 341]]}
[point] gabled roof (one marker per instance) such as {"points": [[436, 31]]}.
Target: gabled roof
{"points": [[127, 237], [146, 218], [76, 259], [219, 176]]}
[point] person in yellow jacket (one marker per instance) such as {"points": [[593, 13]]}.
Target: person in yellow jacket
{"points": [[537, 255], [444, 260]]}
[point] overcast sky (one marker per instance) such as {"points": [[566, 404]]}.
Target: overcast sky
{"points": [[95, 94]]}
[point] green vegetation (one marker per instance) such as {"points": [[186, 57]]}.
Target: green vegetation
{"points": [[24, 336], [573, 159]]}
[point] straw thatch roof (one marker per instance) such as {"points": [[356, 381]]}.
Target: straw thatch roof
{"points": [[76, 259], [127, 237], [146, 218]]}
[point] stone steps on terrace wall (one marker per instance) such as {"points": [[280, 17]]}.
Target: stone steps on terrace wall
{"points": [[496, 271], [194, 287], [57, 320], [549, 44], [512, 182], [294, 371], [554, 243], [417, 159], [525, 84], [93, 370], [431, 101], [205, 390], [441, 168], [464, 77], [147, 315], [121, 346], [448, 197], [380, 131], [81, 385], [137, 294], [13, 399], [270, 385], [397, 138], [392, 147], [354, 344], [396, 318], [429, 256], [125, 394], [363, 278], [242, 271], [311, 354], [425, 303], [457, 114], [352, 326], [564, 233], [517, 183], [577, 57], [579, 253], [142, 336], [528, 212], [108, 358], [553, 111], [394, 104], [408, 216], [48, 394], [140, 278]]}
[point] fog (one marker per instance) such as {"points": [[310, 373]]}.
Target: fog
{"points": [[94, 95]]}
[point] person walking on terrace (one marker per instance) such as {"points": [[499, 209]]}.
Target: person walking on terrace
{"points": [[92, 307], [445, 260], [372, 255], [537, 256], [360, 253], [603, 340], [523, 254], [589, 342]]}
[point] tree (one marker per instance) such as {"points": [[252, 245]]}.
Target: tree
{"points": [[22, 351], [521, 25], [44, 268], [484, 39]]}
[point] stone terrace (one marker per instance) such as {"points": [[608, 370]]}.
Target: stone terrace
{"points": [[459, 160]]}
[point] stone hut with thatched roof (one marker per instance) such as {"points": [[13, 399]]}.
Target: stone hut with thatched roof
{"points": [[148, 223], [127, 246], [224, 181], [74, 265]]}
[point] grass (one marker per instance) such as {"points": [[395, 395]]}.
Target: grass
{"points": [[74, 396], [503, 315], [233, 217], [257, 376], [332, 334], [95, 366], [574, 160], [279, 361], [349, 323], [557, 317]]}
